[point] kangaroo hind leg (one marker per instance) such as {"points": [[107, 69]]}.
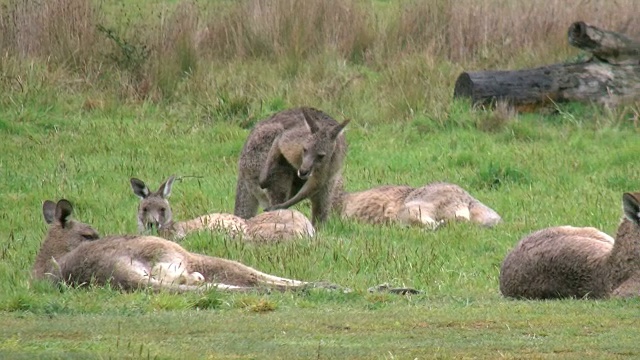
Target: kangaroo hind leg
{"points": [[419, 213]]}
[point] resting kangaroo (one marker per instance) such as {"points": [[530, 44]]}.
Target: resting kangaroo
{"points": [[427, 206], [576, 262], [72, 252], [293, 155], [154, 211]]}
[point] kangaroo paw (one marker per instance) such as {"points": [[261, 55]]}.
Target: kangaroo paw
{"points": [[274, 207]]}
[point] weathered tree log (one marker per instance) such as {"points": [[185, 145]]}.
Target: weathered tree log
{"points": [[611, 77], [597, 82], [606, 46]]}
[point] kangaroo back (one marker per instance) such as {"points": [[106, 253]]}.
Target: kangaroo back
{"points": [[375, 206], [428, 206], [230, 224], [279, 225], [566, 261], [557, 262]]}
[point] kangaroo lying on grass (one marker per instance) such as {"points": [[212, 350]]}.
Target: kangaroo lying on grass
{"points": [[577, 262], [428, 206], [154, 211], [72, 252], [293, 155]]}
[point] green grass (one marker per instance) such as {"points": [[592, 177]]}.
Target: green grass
{"points": [[535, 172], [78, 123], [405, 329]]}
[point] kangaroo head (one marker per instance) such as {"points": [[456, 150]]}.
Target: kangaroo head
{"points": [[64, 233], [154, 210], [318, 147], [631, 206]]}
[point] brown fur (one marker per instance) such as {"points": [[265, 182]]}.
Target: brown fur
{"points": [[230, 224], [278, 225], [565, 261], [427, 206], [293, 155], [270, 227], [375, 206], [63, 235], [73, 253]]}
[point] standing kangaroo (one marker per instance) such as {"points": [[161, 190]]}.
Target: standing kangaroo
{"points": [[293, 155], [576, 262], [154, 211], [73, 252], [428, 206]]}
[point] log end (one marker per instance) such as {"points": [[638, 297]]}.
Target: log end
{"points": [[578, 36], [577, 30], [463, 87]]}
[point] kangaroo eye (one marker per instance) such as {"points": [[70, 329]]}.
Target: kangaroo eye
{"points": [[162, 210], [145, 209], [88, 236], [321, 156]]}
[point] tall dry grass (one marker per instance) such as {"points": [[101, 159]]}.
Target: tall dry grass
{"points": [[179, 43], [291, 28], [490, 30], [176, 42], [60, 31]]}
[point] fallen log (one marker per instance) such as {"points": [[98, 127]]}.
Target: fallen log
{"points": [[607, 46], [587, 82], [611, 77]]}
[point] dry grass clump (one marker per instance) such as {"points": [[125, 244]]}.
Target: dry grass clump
{"points": [[176, 42], [496, 119], [490, 31], [290, 28], [61, 31], [163, 51]]}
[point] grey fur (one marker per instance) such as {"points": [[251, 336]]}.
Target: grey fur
{"points": [[268, 227], [154, 210], [574, 262], [293, 155], [73, 253]]}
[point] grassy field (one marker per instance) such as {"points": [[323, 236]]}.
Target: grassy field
{"points": [[78, 124]]}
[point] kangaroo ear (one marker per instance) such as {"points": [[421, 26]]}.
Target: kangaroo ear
{"points": [[310, 119], [49, 211], [140, 188], [165, 188], [339, 128], [631, 207], [63, 211]]}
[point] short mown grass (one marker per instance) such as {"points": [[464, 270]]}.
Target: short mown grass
{"points": [[94, 93]]}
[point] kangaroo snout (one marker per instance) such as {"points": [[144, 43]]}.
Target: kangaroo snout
{"points": [[151, 227], [154, 220], [304, 174]]}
